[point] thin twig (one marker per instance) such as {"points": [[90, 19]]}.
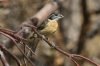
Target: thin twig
{"points": [[3, 59], [14, 40], [61, 51], [29, 48], [75, 62], [25, 62], [14, 57], [87, 59]]}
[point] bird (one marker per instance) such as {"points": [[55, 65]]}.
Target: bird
{"points": [[51, 25]]}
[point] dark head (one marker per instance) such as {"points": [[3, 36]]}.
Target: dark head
{"points": [[56, 16]]}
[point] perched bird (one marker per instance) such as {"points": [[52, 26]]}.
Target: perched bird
{"points": [[51, 25]]}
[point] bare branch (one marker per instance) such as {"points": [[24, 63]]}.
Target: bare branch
{"points": [[63, 52]]}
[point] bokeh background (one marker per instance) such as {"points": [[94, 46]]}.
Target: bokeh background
{"points": [[79, 30]]}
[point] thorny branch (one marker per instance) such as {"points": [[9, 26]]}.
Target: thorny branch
{"points": [[36, 20]]}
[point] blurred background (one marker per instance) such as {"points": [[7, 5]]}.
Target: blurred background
{"points": [[79, 30]]}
